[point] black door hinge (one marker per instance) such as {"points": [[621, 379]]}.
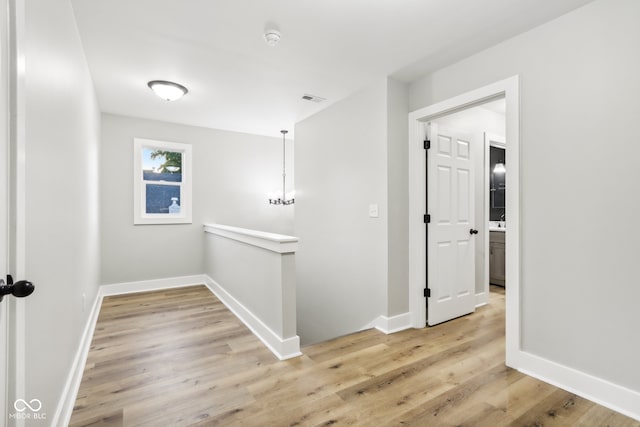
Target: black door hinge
{"points": [[427, 144], [427, 293], [427, 219]]}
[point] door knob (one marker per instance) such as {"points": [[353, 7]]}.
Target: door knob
{"points": [[20, 289], [473, 231]]}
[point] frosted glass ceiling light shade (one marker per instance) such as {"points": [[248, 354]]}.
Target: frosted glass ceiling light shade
{"points": [[499, 168], [169, 91]]}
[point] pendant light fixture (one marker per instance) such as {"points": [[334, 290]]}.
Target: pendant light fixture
{"points": [[166, 90], [286, 198]]}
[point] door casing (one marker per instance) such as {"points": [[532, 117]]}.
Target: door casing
{"points": [[4, 209], [12, 194], [509, 90]]}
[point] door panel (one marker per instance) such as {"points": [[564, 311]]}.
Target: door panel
{"points": [[450, 245], [444, 195], [446, 260], [463, 192]]}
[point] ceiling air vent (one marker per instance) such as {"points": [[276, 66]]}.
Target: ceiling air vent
{"points": [[312, 98]]}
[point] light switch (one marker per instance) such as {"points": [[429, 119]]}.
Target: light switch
{"points": [[373, 211]]}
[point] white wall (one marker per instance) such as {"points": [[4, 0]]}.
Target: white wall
{"points": [[232, 176], [341, 262], [477, 121], [62, 233], [398, 197], [579, 100], [260, 287]]}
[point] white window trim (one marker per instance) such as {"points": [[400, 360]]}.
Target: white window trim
{"points": [[139, 214]]}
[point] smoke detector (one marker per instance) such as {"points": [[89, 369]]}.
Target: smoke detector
{"points": [[272, 37]]}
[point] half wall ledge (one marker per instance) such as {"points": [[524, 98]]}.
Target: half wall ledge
{"points": [[253, 273], [279, 243]]}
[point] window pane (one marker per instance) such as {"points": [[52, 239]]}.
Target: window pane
{"points": [[161, 165], [160, 176], [164, 199]]}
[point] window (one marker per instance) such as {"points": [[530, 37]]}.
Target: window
{"points": [[161, 182]]}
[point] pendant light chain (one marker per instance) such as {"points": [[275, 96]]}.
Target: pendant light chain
{"points": [[284, 169], [283, 200]]}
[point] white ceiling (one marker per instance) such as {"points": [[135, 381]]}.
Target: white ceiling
{"points": [[329, 48]]}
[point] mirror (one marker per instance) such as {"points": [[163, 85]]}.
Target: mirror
{"points": [[497, 182]]}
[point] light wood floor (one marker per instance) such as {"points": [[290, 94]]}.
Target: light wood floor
{"points": [[180, 358]]}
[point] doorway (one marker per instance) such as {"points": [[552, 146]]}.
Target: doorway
{"points": [[473, 130], [507, 89], [496, 174]]}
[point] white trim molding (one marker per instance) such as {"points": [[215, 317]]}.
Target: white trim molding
{"points": [[18, 144], [482, 298], [600, 391], [64, 410], [397, 323], [283, 348], [279, 243], [152, 285]]}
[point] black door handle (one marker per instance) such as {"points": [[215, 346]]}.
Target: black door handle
{"points": [[20, 289], [473, 231]]}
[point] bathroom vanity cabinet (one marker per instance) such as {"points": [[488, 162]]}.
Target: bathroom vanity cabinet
{"points": [[496, 258]]}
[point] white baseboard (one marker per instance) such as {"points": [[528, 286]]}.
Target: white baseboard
{"points": [[283, 348], [482, 298], [64, 410], [152, 285], [597, 390], [392, 324]]}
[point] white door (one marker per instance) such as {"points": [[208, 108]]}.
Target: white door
{"points": [[450, 233]]}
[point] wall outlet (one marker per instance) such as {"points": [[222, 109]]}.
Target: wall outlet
{"points": [[373, 211]]}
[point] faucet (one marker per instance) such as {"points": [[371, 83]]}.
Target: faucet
{"points": [[501, 221]]}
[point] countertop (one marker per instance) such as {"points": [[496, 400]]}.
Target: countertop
{"points": [[500, 226]]}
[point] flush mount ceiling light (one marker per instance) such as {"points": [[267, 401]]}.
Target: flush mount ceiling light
{"points": [[272, 37], [499, 168], [287, 198], [169, 91]]}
